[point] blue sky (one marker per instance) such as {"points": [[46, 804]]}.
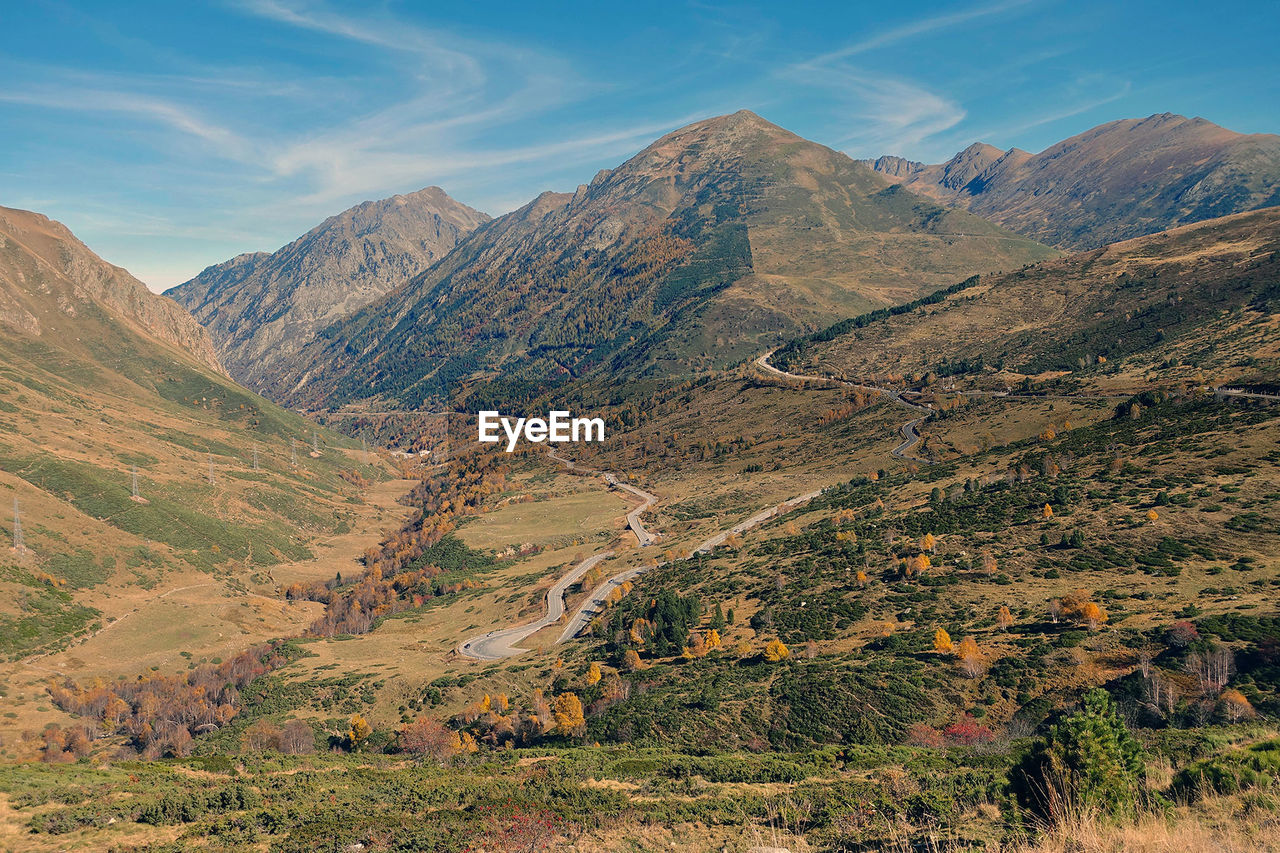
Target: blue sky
{"points": [[170, 136]]}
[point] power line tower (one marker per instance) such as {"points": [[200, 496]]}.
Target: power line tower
{"points": [[293, 452], [212, 481], [135, 483], [364, 450], [255, 457], [19, 544], [315, 442]]}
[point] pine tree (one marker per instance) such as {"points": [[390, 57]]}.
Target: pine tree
{"points": [[1087, 762]]}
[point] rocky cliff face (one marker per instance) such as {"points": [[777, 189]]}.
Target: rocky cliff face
{"points": [[262, 308], [48, 279], [1119, 180]]}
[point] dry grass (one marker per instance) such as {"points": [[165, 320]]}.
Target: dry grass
{"points": [[1213, 825]]}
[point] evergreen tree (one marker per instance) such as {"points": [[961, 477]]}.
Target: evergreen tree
{"points": [[1086, 762]]}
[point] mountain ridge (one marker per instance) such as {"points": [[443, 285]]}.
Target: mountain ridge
{"points": [[42, 252], [261, 306], [1119, 180]]}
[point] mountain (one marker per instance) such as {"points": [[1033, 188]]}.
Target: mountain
{"points": [[718, 239], [1119, 180], [104, 385], [1193, 305], [48, 279], [261, 308]]}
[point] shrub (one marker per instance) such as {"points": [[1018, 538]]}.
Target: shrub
{"points": [[1255, 767]]}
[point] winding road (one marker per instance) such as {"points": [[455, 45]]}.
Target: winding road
{"points": [[643, 536], [910, 430], [501, 643], [594, 602]]}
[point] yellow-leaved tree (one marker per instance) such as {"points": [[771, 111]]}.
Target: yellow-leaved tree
{"points": [[942, 642], [358, 731], [1236, 706], [1093, 615], [970, 657], [593, 673], [1004, 618], [776, 651], [568, 714], [918, 565]]}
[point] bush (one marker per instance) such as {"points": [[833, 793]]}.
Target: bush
{"points": [[1255, 767]]}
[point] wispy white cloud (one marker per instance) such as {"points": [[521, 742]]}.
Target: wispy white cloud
{"points": [[873, 114], [1079, 107], [916, 28], [446, 61], [158, 111], [423, 106], [876, 113]]}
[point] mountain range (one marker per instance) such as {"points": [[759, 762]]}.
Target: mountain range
{"points": [[1119, 180], [720, 239], [262, 308], [717, 239]]}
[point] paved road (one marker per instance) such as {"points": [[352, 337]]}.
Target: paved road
{"points": [[1240, 392], [594, 602], [644, 536], [633, 517], [910, 430], [501, 643], [911, 437]]}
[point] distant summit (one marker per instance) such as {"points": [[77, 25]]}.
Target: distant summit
{"points": [[261, 308], [1119, 180]]}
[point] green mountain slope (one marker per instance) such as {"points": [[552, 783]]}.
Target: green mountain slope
{"points": [[97, 387], [1196, 304]]}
